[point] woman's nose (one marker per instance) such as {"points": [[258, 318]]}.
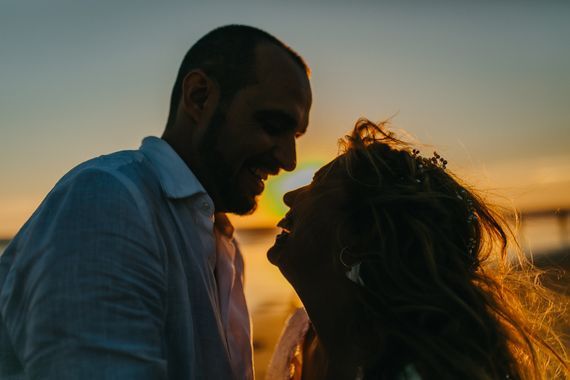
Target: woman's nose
{"points": [[289, 198]]}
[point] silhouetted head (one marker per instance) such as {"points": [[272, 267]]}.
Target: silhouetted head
{"points": [[421, 256], [389, 209], [240, 100]]}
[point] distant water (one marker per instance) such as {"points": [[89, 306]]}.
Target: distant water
{"points": [[543, 235]]}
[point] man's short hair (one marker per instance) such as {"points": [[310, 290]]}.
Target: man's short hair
{"points": [[227, 55]]}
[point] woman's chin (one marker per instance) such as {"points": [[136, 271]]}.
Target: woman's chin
{"points": [[274, 254]]}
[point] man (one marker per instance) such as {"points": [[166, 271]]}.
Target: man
{"points": [[121, 273]]}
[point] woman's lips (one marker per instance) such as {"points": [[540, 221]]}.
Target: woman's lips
{"points": [[285, 231], [280, 238], [274, 253], [286, 223]]}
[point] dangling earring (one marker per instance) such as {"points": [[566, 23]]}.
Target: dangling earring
{"points": [[353, 274]]}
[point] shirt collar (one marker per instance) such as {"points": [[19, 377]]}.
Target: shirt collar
{"points": [[223, 224], [176, 178]]}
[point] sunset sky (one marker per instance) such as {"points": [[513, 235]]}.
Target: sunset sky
{"points": [[485, 82]]}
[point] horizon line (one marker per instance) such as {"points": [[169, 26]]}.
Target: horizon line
{"points": [[559, 212]]}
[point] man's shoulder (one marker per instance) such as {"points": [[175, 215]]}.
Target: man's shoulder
{"points": [[117, 162], [128, 168]]}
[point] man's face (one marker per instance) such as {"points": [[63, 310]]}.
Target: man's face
{"points": [[253, 135]]}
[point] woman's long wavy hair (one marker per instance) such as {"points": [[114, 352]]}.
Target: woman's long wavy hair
{"points": [[440, 286]]}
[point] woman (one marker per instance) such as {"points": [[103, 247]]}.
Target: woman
{"points": [[403, 272]]}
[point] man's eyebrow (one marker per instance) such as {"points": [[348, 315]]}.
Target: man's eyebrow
{"points": [[277, 116]]}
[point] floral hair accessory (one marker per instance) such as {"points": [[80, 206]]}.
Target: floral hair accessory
{"points": [[436, 161], [471, 217]]}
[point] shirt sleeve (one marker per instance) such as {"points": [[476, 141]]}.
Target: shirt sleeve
{"points": [[84, 299]]}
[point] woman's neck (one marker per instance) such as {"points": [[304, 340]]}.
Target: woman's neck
{"points": [[332, 308]]}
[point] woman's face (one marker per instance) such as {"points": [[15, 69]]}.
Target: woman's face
{"points": [[306, 248]]}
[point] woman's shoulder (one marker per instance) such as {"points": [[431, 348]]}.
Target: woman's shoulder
{"points": [[292, 337]]}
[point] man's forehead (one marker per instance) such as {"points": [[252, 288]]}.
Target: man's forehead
{"points": [[274, 63], [281, 90], [268, 54]]}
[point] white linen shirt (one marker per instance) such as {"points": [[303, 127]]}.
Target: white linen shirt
{"points": [[113, 277]]}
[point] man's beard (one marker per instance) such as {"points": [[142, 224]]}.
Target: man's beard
{"points": [[220, 172]]}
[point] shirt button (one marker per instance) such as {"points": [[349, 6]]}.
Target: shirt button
{"points": [[205, 206]]}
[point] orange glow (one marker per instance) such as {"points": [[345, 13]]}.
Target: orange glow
{"points": [[527, 184], [15, 212], [520, 184], [270, 205]]}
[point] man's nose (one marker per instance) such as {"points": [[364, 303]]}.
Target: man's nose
{"points": [[286, 154]]}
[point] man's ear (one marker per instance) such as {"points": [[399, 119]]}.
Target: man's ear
{"points": [[199, 93]]}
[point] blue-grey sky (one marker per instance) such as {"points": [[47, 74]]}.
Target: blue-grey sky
{"points": [[487, 83]]}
